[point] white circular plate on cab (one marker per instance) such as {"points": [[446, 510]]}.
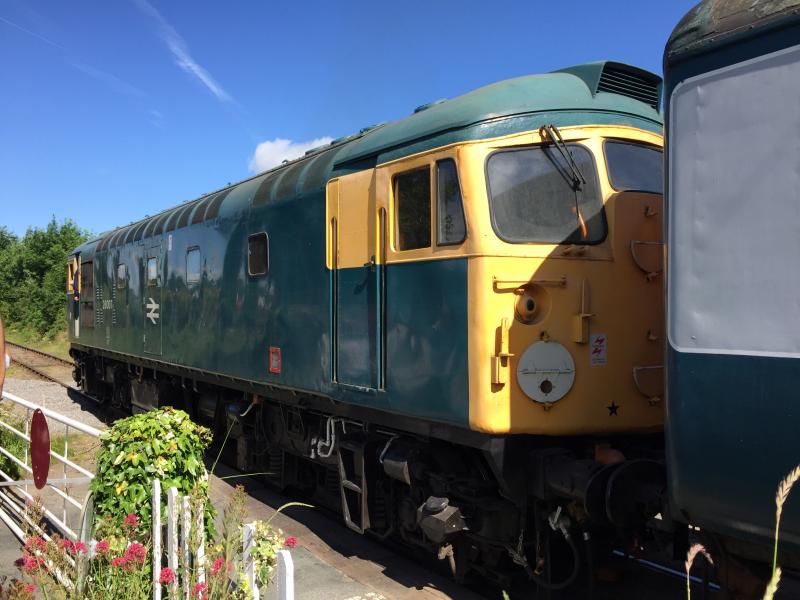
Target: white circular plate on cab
{"points": [[546, 372]]}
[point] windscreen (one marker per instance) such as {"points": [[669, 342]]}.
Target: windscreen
{"points": [[634, 167], [533, 198]]}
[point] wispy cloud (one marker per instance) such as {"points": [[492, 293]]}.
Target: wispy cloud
{"points": [[33, 34], [272, 153], [180, 51], [156, 117], [115, 83], [112, 81]]}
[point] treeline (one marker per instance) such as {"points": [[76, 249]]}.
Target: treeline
{"points": [[33, 276]]}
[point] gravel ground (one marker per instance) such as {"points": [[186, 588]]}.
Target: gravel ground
{"points": [[55, 397]]}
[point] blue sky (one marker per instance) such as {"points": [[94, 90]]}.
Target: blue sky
{"points": [[114, 110]]}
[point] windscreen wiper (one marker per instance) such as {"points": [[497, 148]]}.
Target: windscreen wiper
{"points": [[552, 132]]}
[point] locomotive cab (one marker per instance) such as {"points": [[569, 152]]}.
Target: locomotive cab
{"points": [[548, 243], [567, 284]]}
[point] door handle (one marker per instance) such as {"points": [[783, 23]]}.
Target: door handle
{"points": [[371, 262]]}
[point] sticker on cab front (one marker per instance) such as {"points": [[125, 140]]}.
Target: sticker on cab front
{"points": [[598, 347]]}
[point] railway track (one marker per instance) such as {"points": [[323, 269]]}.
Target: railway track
{"points": [[43, 364]]}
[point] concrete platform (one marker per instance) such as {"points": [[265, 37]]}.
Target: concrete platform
{"points": [[332, 562]]}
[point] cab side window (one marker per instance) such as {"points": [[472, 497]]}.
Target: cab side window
{"points": [[193, 266], [258, 254], [152, 271], [122, 276], [412, 194], [450, 226]]}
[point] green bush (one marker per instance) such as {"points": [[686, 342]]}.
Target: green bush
{"points": [[161, 444]]}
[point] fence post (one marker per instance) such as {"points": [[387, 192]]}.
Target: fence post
{"points": [[248, 541], [186, 540], [285, 575], [172, 537], [200, 524], [156, 538]]}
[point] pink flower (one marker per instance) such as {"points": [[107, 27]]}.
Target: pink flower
{"points": [[19, 562], [131, 520], [290, 541], [218, 564], [80, 548], [166, 576], [67, 545], [136, 553], [34, 542], [102, 546], [29, 564], [30, 588], [119, 561], [200, 591]]}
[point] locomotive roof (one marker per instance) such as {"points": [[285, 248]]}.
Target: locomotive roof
{"points": [[593, 93], [716, 22]]}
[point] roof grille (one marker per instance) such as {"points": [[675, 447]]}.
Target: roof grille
{"points": [[631, 84]]}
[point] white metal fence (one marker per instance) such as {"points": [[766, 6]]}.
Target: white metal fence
{"points": [[179, 555], [72, 477], [179, 518]]}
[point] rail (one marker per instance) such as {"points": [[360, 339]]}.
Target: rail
{"points": [[39, 369], [58, 359], [72, 473]]}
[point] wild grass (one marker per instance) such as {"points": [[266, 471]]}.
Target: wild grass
{"points": [[57, 344], [13, 444], [781, 496]]}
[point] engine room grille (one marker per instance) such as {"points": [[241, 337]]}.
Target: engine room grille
{"points": [[632, 85]]}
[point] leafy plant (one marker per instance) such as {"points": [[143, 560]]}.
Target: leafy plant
{"points": [[160, 444], [267, 543]]}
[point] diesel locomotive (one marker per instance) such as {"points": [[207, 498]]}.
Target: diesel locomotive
{"points": [[732, 72], [449, 327]]}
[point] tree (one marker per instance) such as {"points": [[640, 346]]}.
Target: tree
{"points": [[33, 275]]}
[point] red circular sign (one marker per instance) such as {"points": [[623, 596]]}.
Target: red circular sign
{"points": [[40, 449]]}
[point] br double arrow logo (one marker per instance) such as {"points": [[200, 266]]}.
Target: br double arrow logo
{"points": [[152, 310]]}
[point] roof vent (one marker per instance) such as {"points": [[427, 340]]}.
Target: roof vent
{"points": [[636, 84], [429, 104]]}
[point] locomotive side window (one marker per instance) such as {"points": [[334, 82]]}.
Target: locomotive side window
{"points": [[152, 271], [193, 267], [532, 197], [122, 276], [451, 228], [412, 194], [634, 167], [258, 254]]}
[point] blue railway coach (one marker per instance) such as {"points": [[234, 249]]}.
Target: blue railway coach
{"points": [[732, 83]]}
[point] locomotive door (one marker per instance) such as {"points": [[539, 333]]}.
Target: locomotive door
{"points": [[151, 300], [356, 264], [73, 293]]}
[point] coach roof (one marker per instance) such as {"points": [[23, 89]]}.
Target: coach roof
{"points": [[717, 22], [594, 93]]}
